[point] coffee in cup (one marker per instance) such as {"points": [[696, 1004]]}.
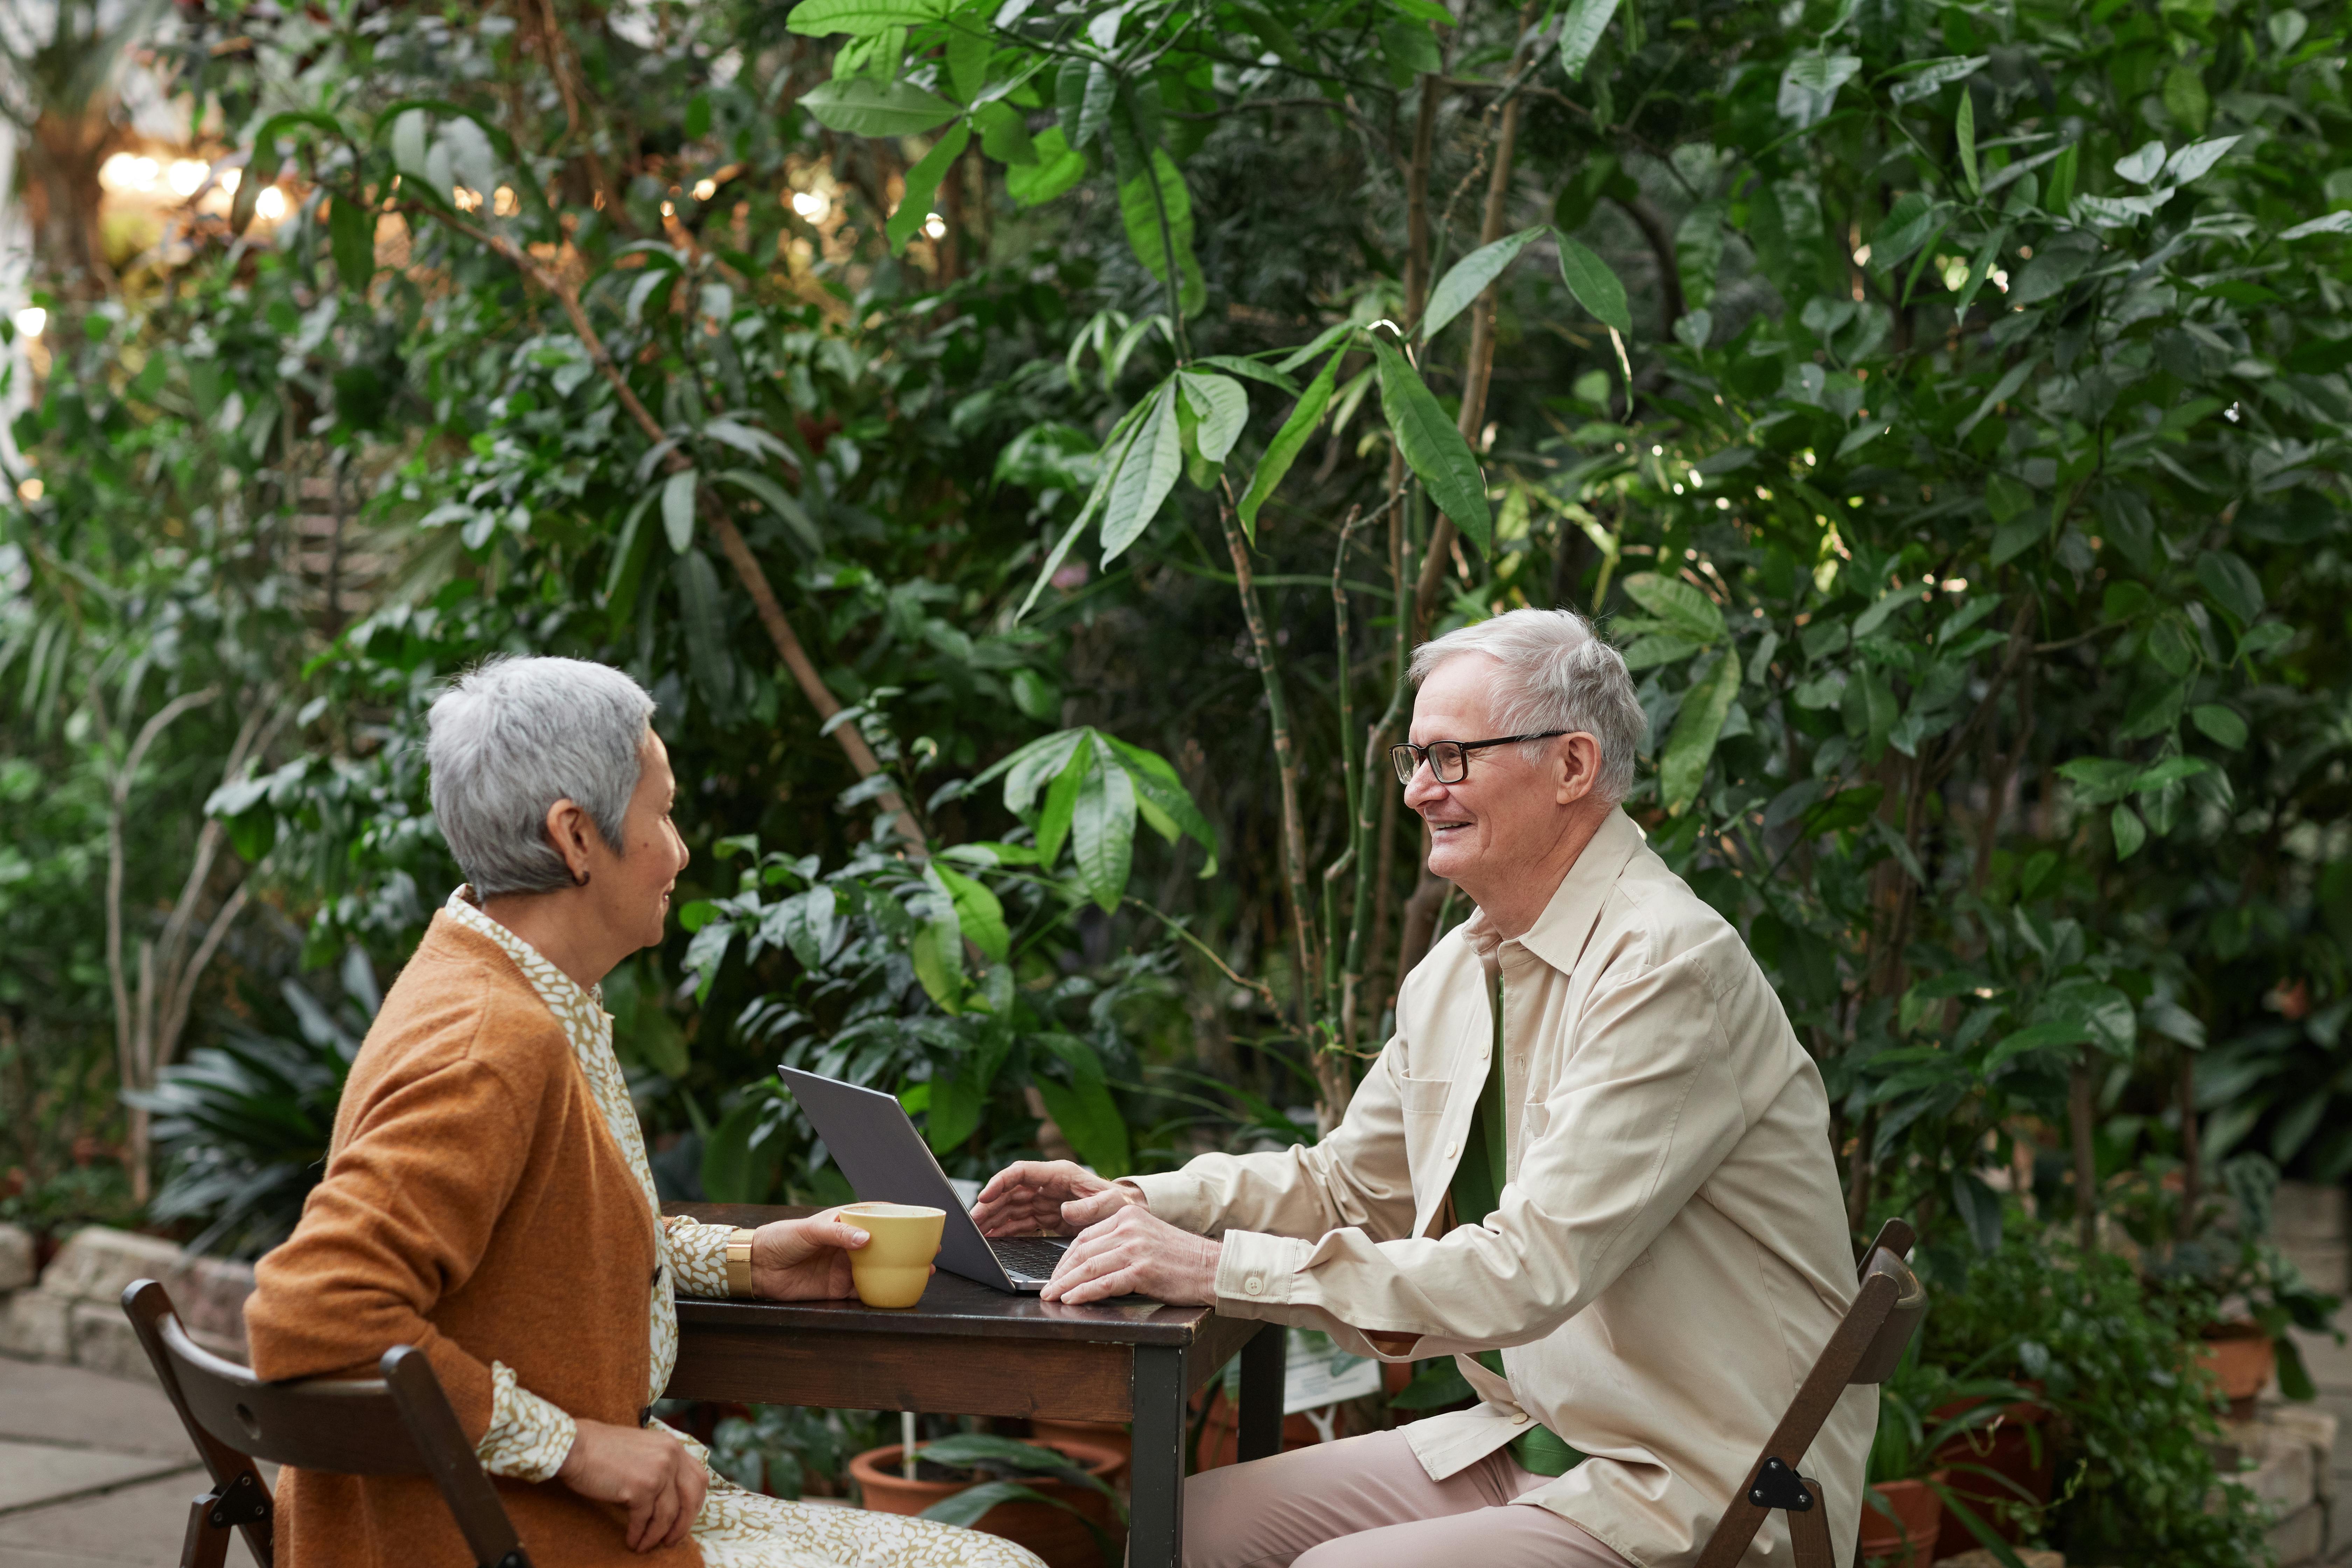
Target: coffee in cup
{"points": [[892, 1269]]}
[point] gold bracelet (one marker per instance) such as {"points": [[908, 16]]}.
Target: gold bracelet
{"points": [[738, 1261]]}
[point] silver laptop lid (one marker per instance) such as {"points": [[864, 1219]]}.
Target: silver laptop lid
{"points": [[871, 1138]]}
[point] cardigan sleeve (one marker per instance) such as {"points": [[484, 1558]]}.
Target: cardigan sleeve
{"points": [[403, 1218]]}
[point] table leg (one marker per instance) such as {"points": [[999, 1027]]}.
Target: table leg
{"points": [[1264, 1361], [1155, 1531]]}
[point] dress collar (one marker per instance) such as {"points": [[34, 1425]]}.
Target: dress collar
{"points": [[564, 996]]}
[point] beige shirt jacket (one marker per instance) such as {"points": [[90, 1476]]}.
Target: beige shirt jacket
{"points": [[1671, 1251]]}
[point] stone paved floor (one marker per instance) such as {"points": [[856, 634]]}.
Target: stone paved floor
{"points": [[96, 1473]]}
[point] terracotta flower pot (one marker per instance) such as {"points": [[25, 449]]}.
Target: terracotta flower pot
{"points": [[1049, 1531], [1908, 1540], [1221, 1439], [2019, 1454], [2242, 1359], [1111, 1434]]}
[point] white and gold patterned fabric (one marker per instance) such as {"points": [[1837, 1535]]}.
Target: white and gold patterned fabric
{"points": [[529, 1438]]}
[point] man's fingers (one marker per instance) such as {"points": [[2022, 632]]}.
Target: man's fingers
{"points": [[1084, 1211], [1020, 1173]]}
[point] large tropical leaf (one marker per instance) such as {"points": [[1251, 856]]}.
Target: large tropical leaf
{"points": [[1697, 726], [1432, 446], [1287, 443], [863, 107], [1147, 471], [1468, 277]]}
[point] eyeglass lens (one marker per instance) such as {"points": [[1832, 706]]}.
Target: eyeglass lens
{"points": [[1447, 761]]}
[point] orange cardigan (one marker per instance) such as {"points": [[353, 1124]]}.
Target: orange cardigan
{"points": [[475, 1205]]}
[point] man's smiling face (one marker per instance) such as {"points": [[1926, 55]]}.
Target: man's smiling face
{"points": [[1503, 816]]}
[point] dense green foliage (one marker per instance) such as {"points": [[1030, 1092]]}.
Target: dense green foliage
{"points": [[1943, 406]]}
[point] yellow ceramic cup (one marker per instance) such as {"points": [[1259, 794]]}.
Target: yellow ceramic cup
{"points": [[892, 1269]]}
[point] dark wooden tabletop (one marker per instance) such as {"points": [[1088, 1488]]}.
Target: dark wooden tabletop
{"points": [[952, 1305]]}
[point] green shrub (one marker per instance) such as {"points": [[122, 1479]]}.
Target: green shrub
{"points": [[2135, 1422]]}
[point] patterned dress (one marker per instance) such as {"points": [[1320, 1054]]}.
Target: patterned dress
{"points": [[528, 1437]]}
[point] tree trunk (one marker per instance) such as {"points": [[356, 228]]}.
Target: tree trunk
{"points": [[2080, 1109], [1478, 368]]}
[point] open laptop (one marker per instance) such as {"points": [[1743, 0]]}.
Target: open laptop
{"points": [[871, 1138]]}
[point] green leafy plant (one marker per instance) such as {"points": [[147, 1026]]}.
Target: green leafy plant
{"points": [[245, 1121]]}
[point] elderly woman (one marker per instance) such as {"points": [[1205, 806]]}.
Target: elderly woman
{"points": [[487, 1197]]}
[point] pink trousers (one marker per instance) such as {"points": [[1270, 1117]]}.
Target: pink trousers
{"points": [[1366, 1502]]}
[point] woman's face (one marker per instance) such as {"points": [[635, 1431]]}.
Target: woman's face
{"points": [[636, 903]]}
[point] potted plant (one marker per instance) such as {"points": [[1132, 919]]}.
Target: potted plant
{"points": [[1058, 1502], [1902, 1511], [1989, 1437], [2224, 1267]]}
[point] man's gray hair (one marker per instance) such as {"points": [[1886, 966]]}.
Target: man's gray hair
{"points": [[514, 736], [1556, 674]]}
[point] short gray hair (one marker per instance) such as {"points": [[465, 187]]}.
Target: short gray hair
{"points": [[1556, 674], [513, 736]]}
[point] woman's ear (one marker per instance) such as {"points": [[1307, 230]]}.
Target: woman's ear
{"points": [[569, 830]]}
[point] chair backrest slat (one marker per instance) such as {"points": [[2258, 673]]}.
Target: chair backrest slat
{"points": [[1864, 1348], [401, 1424]]}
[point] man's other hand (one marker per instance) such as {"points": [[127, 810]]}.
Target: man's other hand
{"points": [[645, 1470], [804, 1259], [1132, 1253], [1050, 1197]]}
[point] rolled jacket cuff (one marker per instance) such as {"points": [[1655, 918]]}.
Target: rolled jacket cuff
{"points": [[1256, 1271], [1171, 1195]]}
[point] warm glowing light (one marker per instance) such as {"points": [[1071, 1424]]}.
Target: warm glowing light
{"points": [[128, 172], [230, 179], [186, 175], [467, 201], [30, 489], [811, 206], [32, 320], [504, 203], [705, 189], [270, 206], [669, 209], [935, 226], [1955, 584]]}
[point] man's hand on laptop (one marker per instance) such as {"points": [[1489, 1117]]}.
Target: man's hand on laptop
{"points": [[1134, 1254], [1048, 1197]]}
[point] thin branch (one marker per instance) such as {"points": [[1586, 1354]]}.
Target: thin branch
{"points": [[714, 515]]}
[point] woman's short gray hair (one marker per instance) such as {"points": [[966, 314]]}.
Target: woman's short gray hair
{"points": [[514, 736], [1556, 674]]}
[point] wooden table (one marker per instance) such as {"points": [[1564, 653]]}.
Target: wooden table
{"points": [[969, 1349]]}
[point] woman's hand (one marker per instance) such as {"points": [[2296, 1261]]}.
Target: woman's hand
{"points": [[1054, 1198], [804, 1259], [642, 1468]]}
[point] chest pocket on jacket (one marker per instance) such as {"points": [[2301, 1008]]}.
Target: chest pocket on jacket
{"points": [[1424, 1096]]}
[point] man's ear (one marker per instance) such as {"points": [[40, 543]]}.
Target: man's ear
{"points": [[1580, 768]]}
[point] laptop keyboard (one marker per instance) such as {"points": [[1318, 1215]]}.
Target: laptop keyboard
{"points": [[1029, 1256]]}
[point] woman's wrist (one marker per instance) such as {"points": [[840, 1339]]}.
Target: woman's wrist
{"points": [[739, 1262]]}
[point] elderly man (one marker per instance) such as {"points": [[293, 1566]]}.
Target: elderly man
{"points": [[1593, 1145]]}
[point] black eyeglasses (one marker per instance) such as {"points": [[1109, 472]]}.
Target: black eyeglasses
{"points": [[1449, 761]]}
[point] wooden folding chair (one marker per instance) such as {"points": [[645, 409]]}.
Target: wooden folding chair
{"points": [[1864, 1348], [401, 1424]]}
